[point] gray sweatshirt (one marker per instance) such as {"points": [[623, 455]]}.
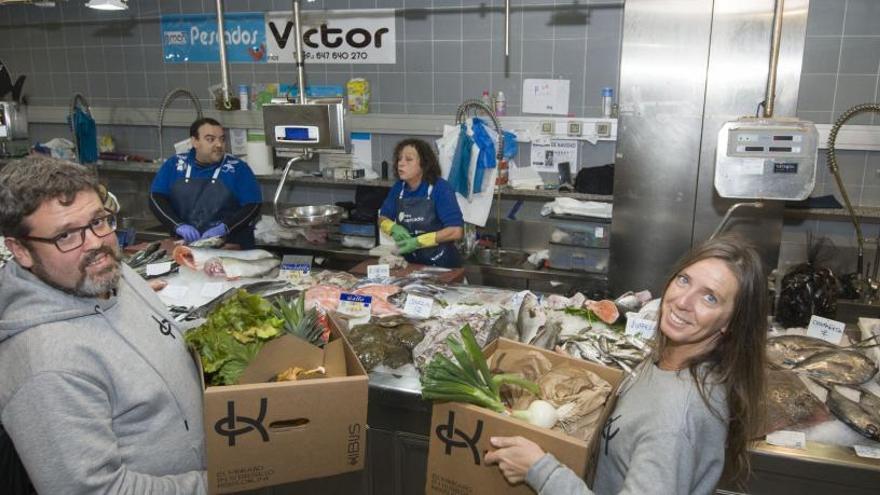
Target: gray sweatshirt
{"points": [[661, 438], [98, 396]]}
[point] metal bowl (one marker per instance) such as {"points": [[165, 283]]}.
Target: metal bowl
{"points": [[303, 216]]}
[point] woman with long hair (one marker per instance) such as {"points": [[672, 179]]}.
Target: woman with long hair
{"points": [[687, 414]]}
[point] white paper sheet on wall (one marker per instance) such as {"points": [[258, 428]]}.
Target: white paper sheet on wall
{"points": [[547, 96], [546, 155], [362, 150]]}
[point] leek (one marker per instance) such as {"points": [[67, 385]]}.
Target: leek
{"points": [[468, 378]]}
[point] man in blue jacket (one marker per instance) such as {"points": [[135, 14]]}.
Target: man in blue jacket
{"points": [[97, 390], [207, 192]]}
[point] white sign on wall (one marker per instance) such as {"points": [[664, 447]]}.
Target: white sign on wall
{"points": [[334, 37]]}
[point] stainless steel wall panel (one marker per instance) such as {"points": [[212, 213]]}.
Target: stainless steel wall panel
{"points": [[664, 60]]}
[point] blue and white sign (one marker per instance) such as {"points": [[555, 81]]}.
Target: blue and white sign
{"points": [[193, 37]]}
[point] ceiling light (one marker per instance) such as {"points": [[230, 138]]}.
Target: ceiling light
{"points": [[107, 4]]}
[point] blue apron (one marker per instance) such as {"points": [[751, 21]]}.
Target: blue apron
{"points": [[419, 216], [203, 203]]}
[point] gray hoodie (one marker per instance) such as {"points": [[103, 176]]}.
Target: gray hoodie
{"points": [[98, 396]]}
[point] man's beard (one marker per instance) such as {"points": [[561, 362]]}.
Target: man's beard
{"points": [[93, 285]]}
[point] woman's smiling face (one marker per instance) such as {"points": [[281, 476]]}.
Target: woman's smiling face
{"points": [[698, 304]]}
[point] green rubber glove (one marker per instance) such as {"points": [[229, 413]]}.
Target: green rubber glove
{"points": [[399, 233], [408, 245]]}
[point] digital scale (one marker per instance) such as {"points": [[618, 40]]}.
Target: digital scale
{"points": [[318, 125], [766, 158]]}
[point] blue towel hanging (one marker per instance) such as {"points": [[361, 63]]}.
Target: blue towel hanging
{"points": [[86, 133], [461, 160]]}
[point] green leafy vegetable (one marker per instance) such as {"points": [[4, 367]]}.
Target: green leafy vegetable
{"points": [[233, 335], [468, 379]]}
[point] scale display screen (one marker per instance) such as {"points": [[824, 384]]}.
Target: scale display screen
{"points": [[297, 134]]}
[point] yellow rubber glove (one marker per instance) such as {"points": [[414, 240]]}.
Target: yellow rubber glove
{"points": [[427, 240], [396, 231]]}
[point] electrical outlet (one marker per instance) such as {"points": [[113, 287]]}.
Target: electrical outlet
{"points": [[547, 127], [574, 128], [603, 129]]}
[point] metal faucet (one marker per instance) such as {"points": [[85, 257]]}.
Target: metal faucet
{"points": [[169, 97]]}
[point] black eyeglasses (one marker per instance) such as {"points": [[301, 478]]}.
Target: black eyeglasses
{"points": [[73, 238]]}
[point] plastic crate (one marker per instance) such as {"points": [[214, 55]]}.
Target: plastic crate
{"points": [[595, 234], [584, 259]]}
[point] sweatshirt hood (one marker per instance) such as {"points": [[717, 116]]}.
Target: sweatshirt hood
{"points": [[26, 302]]}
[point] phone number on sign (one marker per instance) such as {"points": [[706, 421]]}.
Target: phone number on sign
{"points": [[337, 56]]}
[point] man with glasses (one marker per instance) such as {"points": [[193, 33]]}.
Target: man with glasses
{"points": [[97, 390], [207, 192]]}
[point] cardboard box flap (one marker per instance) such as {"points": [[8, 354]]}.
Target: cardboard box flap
{"points": [[334, 359], [279, 354]]}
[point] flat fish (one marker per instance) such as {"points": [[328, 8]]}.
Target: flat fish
{"points": [[853, 415], [790, 404], [786, 351], [838, 367]]}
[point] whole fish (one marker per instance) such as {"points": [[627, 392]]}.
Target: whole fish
{"points": [[855, 416], [838, 367], [225, 262], [786, 351], [546, 337], [530, 319]]}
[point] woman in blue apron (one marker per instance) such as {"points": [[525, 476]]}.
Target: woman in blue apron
{"points": [[420, 212], [207, 192]]}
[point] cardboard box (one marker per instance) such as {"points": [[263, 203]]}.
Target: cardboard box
{"points": [[460, 438], [261, 434]]}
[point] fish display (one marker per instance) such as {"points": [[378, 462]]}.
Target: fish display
{"points": [[838, 367], [853, 415], [226, 262], [486, 327], [790, 404]]}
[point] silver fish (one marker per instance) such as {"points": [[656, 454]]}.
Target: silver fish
{"points": [[786, 351], [855, 416], [530, 319], [546, 337], [838, 367], [870, 402]]}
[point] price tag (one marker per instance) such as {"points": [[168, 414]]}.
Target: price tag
{"points": [[295, 267], [175, 292], [640, 327], [600, 232], [213, 289], [417, 306], [154, 269], [825, 329], [865, 451], [787, 438], [354, 304], [378, 271]]}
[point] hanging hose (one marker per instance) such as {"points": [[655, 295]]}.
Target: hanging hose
{"points": [[169, 97], [835, 171]]}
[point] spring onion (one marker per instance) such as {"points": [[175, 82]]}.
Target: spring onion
{"points": [[468, 379]]}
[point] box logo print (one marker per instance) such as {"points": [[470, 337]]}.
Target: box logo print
{"points": [[227, 426], [447, 433]]}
